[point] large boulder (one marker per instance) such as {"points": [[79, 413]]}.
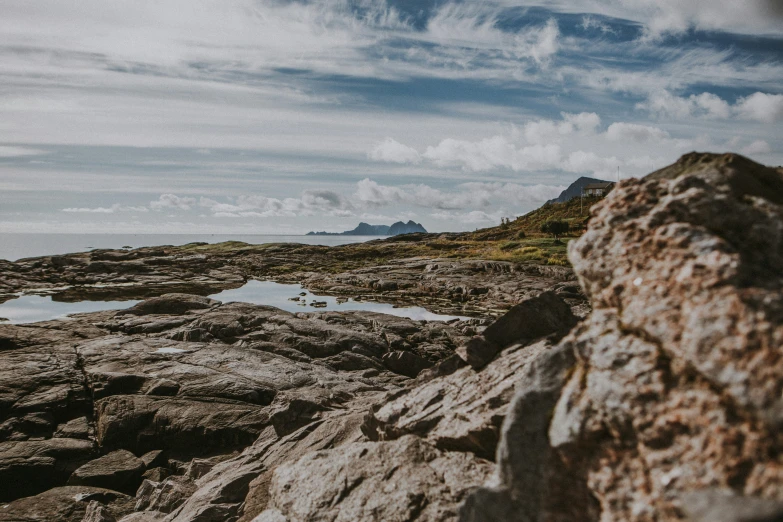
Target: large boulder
{"points": [[119, 470], [406, 479], [677, 383]]}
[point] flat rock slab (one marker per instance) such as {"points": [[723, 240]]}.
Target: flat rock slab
{"points": [[66, 504], [119, 470], [406, 479], [29, 467]]}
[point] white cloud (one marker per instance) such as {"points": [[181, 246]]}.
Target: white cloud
{"points": [[633, 131], [574, 143], [370, 193], [767, 108], [762, 107], [474, 217], [106, 210], [706, 105], [392, 151], [757, 147], [311, 202], [172, 201]]}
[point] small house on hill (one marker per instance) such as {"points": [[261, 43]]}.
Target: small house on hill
{"points": [[597, 189]]}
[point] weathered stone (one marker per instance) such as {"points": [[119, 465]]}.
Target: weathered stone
{"points": [[30, 467], [97, 512], [531, 482], [531, 319], [164, 496], [156, 474], [405, 363], [154, 459], [66, 504], [119, 470], [170, 304], [459, 412], [678, 380], [78, 428], [406, 479]]}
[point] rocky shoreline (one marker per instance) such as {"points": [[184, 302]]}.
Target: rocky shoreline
{"points": [[644, 384]]}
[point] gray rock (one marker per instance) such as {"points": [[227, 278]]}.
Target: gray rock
{"points": [[458, 412], [119, 470], [66, 504], [531, 319], [405, 363], [165, 496], [531, 483], [97, 512], [406, 479], [154, 459], [156, 474], [170, 304], [78, 428]]}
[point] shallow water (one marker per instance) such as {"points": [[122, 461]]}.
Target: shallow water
{"points": [[34, 308], [279, 296]]}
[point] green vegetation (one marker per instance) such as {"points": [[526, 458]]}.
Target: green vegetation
{"points": [[518, 241], [556, 227]]}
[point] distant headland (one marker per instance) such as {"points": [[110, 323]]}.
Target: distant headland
{"points": [[365, 229]]}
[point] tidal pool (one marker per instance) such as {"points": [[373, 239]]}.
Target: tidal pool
{"points": [[291, 298]]}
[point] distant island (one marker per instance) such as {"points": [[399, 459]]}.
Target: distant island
{"points": [[365, 229]]}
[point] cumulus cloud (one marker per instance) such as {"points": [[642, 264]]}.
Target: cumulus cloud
{"points": [[311, 202], [172, 201], [620, 131], [665, 104], [762, 107], [757, 147], [393, 151], [767, 108], [575, 144]]}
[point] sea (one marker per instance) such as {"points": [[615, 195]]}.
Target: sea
{"points": [[15, 246]]}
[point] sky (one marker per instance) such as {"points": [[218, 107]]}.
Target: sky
{"points": [[280, 117]]}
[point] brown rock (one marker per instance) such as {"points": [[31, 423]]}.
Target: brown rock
{"points": [[679, 367], [29, 467], [170, 304], [119, 470], [531, 319], [66, 504]]}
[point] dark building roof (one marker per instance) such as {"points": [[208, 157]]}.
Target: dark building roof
{"points": [[598, 185]]}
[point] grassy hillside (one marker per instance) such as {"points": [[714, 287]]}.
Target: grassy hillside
{"points": [[574, 212]]}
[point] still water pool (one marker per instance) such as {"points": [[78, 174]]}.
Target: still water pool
{"points": [[34, 308]]}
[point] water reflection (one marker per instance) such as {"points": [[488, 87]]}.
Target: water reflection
{"points": [[292, 298]]}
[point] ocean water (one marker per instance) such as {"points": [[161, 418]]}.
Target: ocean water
{"points": [[34, 308], [19, 246]]}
